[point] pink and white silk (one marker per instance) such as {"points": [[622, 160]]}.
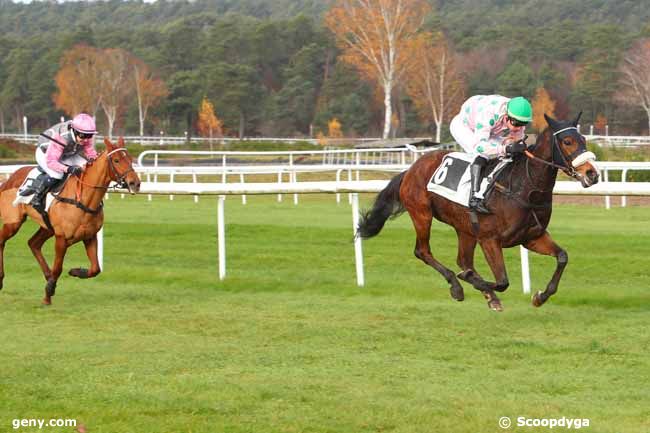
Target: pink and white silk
{"points": [[55, 151], [481, 126]]}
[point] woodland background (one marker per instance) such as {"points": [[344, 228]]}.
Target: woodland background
{"points": [[278, 67]]}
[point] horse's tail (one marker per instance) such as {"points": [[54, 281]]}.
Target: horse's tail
{"points": [[387, 204]]}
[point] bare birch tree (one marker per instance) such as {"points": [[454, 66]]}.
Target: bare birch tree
{"points": [[433, 82], [375, 36], [635, 77], [149, 90], [115, 84]]}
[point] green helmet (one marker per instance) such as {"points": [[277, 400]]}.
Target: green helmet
{"points": [[519, 108]]}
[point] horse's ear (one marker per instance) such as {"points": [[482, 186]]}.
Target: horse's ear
{"points": [[577, 119], [551, 122], [120, 142], [109, 145]]}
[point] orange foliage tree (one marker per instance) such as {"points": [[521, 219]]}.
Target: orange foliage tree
{"points": [[77, 81], [376, 37], [208, 123], [433, 81], [542, 103]]}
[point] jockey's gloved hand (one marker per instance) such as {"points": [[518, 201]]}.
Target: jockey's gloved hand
{"points": [[515, 148], [74, 170]]}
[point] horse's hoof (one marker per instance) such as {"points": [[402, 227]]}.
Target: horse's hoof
{"points": [[78, 272], [46, 303], [50, 288], [495, 305], [537, 299], [457, 292]]}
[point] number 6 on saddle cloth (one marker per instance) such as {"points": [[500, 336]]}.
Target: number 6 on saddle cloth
{"points": [[452, 179]]}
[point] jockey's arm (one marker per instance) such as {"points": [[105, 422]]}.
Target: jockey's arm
{"points": [[485, 145], [53, 156], [90, 152]]}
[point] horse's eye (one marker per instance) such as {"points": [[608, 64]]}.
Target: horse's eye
{"points": [[566, 142], [116, 161]]}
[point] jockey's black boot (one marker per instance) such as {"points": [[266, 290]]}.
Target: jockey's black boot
{"points": [[476, 172], [40, 186]]}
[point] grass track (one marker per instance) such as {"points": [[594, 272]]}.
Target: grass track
{"points": [[288, 343]]}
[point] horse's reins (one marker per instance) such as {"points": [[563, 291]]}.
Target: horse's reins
{"points": [[115, 176], [567, 166]]}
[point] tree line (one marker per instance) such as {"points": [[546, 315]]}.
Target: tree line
{"points": [[297, 67]]}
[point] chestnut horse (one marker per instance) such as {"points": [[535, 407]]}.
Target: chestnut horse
{"points": [[76, 214], [520, 204]]}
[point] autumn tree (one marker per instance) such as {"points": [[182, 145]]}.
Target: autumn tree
{"points": [[149, 90], [77, 81], [433, 81], [635, 77], [542, 104], [115, 83], [334, 129], [208, 123], [375, 36]]}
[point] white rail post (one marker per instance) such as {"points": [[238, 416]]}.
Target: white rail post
{"points": [[358, 250], [338, 179], [279, 184], [623, 179], [525, 270], [100, 248], [243, 196], [196, 196], [607, 200], [221, 236], [171, 180], [25, 129]]}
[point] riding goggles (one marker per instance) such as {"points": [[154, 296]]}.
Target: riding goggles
{"points": [[83, 135], [516, 122]]}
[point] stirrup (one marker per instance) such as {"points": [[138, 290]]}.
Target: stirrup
{"points": [[478, 205]]}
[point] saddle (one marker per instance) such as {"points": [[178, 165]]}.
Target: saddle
{"points": [[452, 179]]}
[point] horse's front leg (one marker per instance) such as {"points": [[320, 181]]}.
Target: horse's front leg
{"points": [[546, 246], [91, 252], [60, 248]]}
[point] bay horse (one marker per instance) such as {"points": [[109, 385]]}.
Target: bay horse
{"points": [[75, 215], [521, 206]]}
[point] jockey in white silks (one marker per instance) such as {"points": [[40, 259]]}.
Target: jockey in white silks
{"points": [[67, 148], [488, 127]]}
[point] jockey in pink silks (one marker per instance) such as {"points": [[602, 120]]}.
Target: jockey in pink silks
{"points": [[72, 145], [488, 127]]}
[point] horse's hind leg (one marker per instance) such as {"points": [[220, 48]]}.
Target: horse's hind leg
{"points": [[422, 222], [35, 244], [91, 252], [466, 246], [6, 233]]}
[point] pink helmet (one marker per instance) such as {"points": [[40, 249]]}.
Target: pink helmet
{"points": [[84, 123]]}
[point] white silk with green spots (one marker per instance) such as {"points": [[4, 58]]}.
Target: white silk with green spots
{"points": [[481, 127]]}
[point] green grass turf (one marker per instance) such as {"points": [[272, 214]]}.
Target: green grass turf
{"points": [[289, 343]]}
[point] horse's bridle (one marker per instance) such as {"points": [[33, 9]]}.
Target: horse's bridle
{"points": [[120, 179], [562, 162]]}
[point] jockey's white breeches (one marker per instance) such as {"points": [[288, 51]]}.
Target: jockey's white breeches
{"points": [[41, 160]]}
